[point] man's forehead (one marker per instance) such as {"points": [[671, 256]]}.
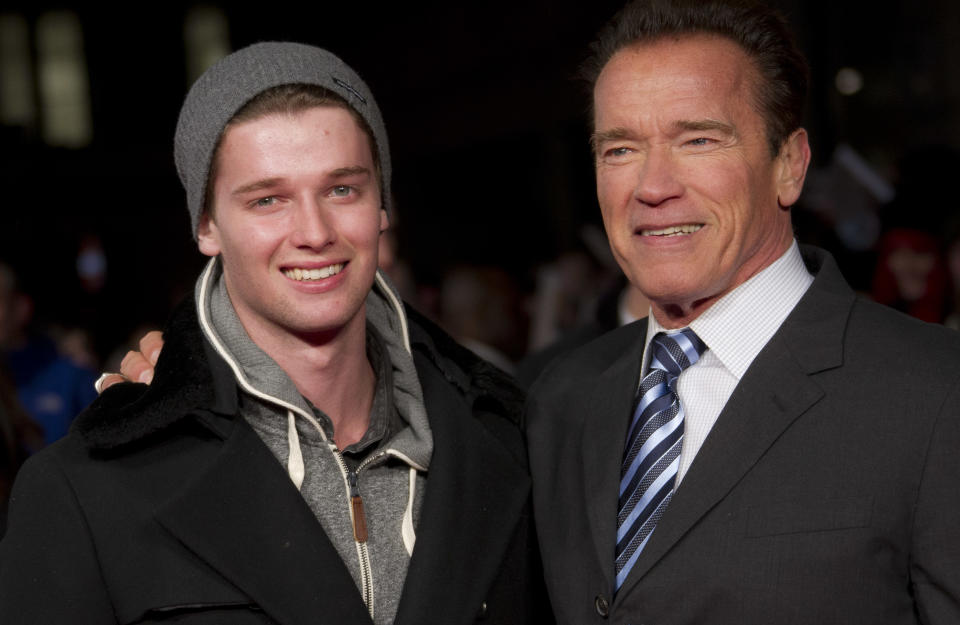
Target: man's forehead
{"points": [[278, 149], [680, 81], [335, 122]]}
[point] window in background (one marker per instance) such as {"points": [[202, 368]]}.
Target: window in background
{"points": [[206, 35], [64, 85], [17, 105]]}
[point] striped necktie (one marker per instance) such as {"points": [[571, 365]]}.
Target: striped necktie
{"points": [[652, 453]]}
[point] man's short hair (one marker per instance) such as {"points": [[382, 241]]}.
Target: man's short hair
{"points": [[287, 99], [760, 31]]}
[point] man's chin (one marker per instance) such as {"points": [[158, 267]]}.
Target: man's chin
{"points": [[320, 329]]}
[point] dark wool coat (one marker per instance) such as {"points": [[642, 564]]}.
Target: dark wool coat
{"points": [[163, 506]]}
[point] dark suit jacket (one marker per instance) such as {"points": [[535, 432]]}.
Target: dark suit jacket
{"points": [[828, 491], [162, 506]]}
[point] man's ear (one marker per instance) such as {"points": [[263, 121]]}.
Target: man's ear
{"points": [[208, 235], [792, 163], [384, 220]]}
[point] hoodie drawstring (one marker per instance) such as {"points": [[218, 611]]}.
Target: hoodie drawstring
{"points": [[409, 536], [296, 471], [295, 466]]}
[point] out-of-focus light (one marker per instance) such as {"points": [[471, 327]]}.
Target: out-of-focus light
{"points": [[849, 81], [206, 35], [64, 85], [17, 107]]}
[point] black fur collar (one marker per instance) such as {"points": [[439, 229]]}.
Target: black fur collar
{"points": [[184, 383]]}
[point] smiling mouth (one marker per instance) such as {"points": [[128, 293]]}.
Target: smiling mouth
{"points": [[672, 231], [314, 274]]}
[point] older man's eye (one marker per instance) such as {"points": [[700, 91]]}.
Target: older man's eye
{"points": [[341, 190], [266, 201]]}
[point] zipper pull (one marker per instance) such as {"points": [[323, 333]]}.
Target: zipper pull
{"points": [[356, 505]]}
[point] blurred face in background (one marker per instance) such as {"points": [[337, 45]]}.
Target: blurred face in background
{"points": [[15, 310]]}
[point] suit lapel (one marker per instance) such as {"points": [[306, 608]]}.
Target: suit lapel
{"points": [[606, 416], [244, 518], [474, 502], [774, 392]]}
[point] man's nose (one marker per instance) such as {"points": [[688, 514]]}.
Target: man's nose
{"points": [[312, 226], [657, 179]]}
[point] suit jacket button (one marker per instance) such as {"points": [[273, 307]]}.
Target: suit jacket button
{"points": [[603, 608], [482, 612]]}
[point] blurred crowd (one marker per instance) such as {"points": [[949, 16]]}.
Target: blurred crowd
{"points": [[898, 243]]}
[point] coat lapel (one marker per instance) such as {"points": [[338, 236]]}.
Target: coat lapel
{"points": [[606, 418], [475, 499], [774, 392], [245, 518]]}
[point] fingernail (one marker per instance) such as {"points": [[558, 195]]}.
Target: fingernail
{"points": [[146, 377], [154, 355]]}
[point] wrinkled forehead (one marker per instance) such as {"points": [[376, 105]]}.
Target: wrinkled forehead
{"points": [[665, 57], [676, 80]]}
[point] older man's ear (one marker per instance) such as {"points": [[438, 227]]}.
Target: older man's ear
{"points": [[794, 159]]}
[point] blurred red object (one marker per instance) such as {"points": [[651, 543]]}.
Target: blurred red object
{"points": [[911, 274]]}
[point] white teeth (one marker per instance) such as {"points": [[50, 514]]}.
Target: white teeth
{"points": [[314, 274], [672, 230]]}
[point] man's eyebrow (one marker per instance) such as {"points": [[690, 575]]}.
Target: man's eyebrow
{"points": [[267, 183], [259, 185], [343, 172], [706, 124], [613, 134]]}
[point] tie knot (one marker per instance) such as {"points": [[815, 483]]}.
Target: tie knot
{"points": [[675, 351]]}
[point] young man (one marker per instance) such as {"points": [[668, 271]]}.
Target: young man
{"points": [[765, 447], [309, 451]]}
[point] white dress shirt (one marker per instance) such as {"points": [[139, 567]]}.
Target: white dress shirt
{"points": [[735, 329]]}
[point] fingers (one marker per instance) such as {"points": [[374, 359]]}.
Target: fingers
{"points": [[150, 346], [137, 368], [107, 380]]}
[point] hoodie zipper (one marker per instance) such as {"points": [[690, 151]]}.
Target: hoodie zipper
{"points": [[359, 518]]}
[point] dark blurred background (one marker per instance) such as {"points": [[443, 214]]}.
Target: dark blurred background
{"points": [[489, 141]]}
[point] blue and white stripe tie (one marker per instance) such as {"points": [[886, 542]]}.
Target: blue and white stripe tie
{"points": [[652, 453]]}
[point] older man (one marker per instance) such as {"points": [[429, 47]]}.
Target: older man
{"points": [[765, 447]]}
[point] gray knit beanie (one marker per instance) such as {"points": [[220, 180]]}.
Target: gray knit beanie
{"points": [[234, 80]]}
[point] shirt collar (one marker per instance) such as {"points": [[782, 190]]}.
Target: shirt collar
{"points": [[738, 325]]}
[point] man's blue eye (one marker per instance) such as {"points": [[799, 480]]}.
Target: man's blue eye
{"points": [[341, 191], [266, 201]]}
